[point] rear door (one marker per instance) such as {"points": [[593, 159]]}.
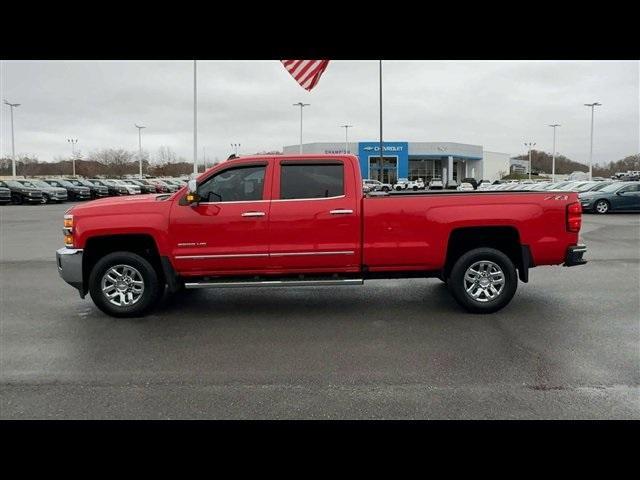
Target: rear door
{"points": [[315, 217]]}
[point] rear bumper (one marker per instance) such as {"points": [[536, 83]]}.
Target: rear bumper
{"points": [[69, 262], [575, 255]]}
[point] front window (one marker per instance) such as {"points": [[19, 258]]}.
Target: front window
{"points": [[611, 188], [311, 180], [240, 184]]}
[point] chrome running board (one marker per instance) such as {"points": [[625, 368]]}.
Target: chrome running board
{"points": [[276, 283]]}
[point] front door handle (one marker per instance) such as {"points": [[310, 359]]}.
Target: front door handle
{"points": [[341, 212], [253, 214]]}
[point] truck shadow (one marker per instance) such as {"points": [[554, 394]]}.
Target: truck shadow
{"points": [[370, 302]]}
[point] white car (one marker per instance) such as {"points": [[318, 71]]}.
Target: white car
{"points": [[465, 187], [376, 185]]}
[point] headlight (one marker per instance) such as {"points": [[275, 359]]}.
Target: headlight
{"points": [[67, 230]]}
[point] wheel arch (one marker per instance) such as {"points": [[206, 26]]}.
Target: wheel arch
{"points": [[98, 246], [503, 238]]}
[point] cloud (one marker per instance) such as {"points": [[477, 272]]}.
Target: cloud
{"points": [[497, 104]]}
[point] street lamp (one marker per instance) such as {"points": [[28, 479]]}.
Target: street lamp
{"points": [[346, 137], [529, 145], [301, 105], [592, 105], [73, 142], [140, 127], [235, 146], [553, 160], [13, 147]]}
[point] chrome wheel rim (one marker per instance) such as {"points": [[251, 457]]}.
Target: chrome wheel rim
{"points": [[602, 207], [484, 281], [122, 285]]}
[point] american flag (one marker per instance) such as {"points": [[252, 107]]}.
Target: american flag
{"points": [[306, 72]]}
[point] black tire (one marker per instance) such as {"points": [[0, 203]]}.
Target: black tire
{"points": [[153, 287], [398, 188], [45, 199], [457, 284], [16, 199], [415, 189], [604, 205], [385, 189]]}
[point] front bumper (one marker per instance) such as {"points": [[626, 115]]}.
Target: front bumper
{"points": [[69, 262], [574, 256]]}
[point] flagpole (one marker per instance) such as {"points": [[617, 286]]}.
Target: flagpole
{"points": [[381, 157], [195, 119]]}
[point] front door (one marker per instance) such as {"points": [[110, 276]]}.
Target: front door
{"points": [[227, 232], [627, 198], [315, 217]]}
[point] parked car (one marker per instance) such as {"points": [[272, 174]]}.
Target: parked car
{"points": [[598, 186], [164, 187], [474, 183], [484, 185], [21, 194], [376, 185], [436, 184], [97, 191], [113, 188], [314, 219], [156, 187], [617, 196], [5, 195], [74, 192], [173, 181], [49, 193], [131, 188], [465, 187], [144, 188]]}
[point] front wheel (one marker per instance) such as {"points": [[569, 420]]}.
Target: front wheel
{"points": [[124, 284], [601, 206], [483, 280]]}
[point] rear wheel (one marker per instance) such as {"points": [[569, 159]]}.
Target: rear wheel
{"points": [[124, 284], [483, 280], [601, 206], [385, 189]]}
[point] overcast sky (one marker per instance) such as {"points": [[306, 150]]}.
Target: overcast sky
{"points": [[499, 105]]}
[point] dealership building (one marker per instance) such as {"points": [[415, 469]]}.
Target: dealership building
{"points": [[413, 160]]}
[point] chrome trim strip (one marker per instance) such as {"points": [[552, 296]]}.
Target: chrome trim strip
{"points": [[238, 201], [297, 254], [276, 283], [305, 199], [235, 255], [253, 214]]}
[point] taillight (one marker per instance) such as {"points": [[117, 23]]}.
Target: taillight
{"points": [[574, 217]]}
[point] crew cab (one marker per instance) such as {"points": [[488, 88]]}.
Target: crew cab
{"points": [[303, 220]]}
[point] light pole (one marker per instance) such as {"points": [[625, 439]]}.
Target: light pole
{"points": [[346, 137], [13, 147], [592, 105], [553, 158], [73, 142], [140, 127], [195, 119], [529, 145], [301, 105], [235, 147]]}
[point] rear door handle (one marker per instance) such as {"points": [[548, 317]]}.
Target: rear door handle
{"points": [[253, 214], [341, 212]]}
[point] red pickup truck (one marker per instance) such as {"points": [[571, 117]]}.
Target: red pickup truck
{"points": [[303, 220]]}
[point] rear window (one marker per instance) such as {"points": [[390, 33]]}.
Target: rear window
{"points": [[311, 180]]}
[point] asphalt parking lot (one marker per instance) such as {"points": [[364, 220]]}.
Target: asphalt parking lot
{"points": [[567, 347]]}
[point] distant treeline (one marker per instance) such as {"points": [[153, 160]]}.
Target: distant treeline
{"points": [[107, 162], [541, 162]]}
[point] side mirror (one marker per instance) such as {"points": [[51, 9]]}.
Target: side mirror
{"points": [[192, 196]]}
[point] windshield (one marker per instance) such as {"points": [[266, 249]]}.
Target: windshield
{"points": [[583, 187], [600, 186], [77, 183], [613, 187], [27, 184], [13, 183]]}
